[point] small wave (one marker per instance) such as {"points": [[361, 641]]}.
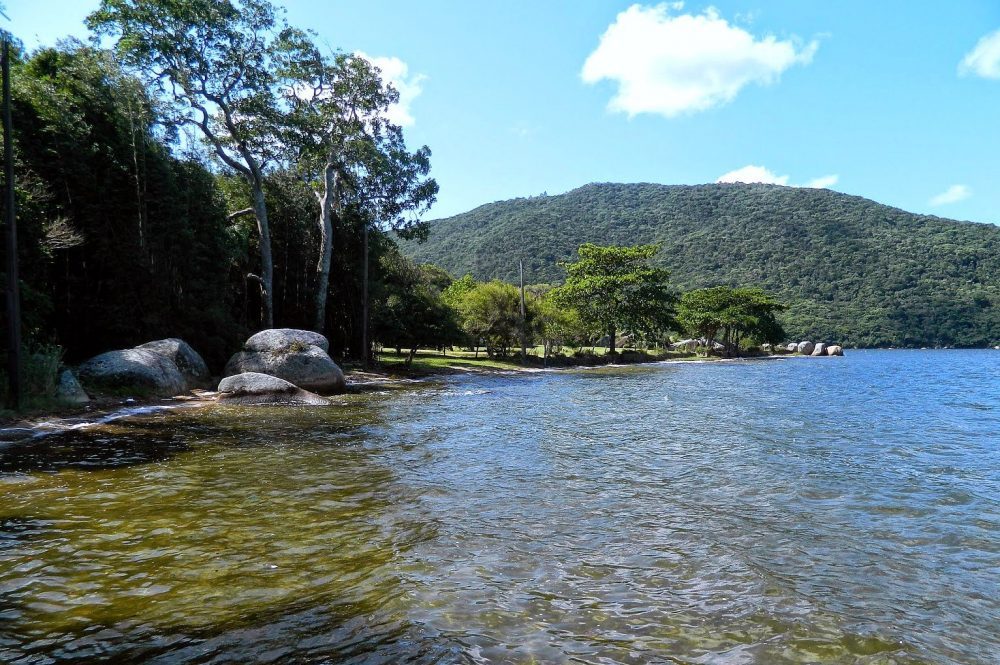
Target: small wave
{"points": [[47, 428]]}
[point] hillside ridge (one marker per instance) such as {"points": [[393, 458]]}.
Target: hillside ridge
{"points": [[851, 269]]}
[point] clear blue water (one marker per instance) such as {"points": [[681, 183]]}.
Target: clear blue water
{"points": [[808, 510]]}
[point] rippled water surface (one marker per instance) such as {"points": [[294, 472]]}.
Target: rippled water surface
{"points": [[835, 510]]}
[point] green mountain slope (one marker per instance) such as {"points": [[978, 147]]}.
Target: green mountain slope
{"points": [[852, 270]]}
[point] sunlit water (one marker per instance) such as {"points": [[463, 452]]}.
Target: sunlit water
{"points": [[836, 510]]}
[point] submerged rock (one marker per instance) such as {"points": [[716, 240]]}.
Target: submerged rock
{"points": [[133, 370], [278, 339], [805, 348], [310, 367], [834, 350], [251, 388], [187, 360], [69, 390]]}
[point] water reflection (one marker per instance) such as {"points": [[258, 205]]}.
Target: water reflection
{"points": [[841, 511]]}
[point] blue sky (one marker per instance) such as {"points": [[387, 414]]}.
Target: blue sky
{"points": [[892, 100]]}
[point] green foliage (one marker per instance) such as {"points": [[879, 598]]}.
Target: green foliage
{"points": [[120, 242], [556, 325], [409, 311], [491, 314], [615, 289], [851, 270], [732, 316]]}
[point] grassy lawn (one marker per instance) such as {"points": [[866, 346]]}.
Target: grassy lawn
{"points": [[433, 362]]}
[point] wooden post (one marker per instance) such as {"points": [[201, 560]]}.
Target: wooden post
{"points": [[364, 307], [524, 317], [13, 287]]}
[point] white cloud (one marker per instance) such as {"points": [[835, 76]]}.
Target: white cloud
{"points": [[759, 174], [953, 194], [823, 182], [397, 72], [984, 59], [754, 173], [669, 63]]}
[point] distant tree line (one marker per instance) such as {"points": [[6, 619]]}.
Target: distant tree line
{"points": [[609, 294]]}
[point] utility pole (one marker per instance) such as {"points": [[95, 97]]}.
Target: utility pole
{"points": [[524, 318], [13, 287]]}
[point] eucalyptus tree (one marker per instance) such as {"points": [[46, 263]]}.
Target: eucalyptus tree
{"points": [[212, 63], [336, 133]]}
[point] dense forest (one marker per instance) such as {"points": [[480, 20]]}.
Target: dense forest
{"points": [[850, 270], [212, 173]]}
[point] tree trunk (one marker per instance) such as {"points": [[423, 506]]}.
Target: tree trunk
{"points": [[611, 341], [266, 262], [328, 204]]}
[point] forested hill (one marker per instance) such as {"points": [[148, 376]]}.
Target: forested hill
{"points": [[851, 270]]}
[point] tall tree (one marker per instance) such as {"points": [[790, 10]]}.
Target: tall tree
{"points": [[732, 315], [338, 135], [212, 62], [491, 313], [615, 288]]}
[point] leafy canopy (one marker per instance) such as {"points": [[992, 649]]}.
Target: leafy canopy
{"points": [[335, 123], [616, 288], [733, 315]]}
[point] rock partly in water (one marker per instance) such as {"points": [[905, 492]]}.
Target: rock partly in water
{"points": [[834, 350], [69, 390], [251, 388], [279, 339], [187, 360], [805, 348], [819, 349], [137, 371], [310, 367]]}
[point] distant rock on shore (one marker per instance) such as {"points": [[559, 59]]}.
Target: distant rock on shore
{"points": [[818, 349]]}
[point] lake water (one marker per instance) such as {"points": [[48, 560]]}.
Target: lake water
{"points": [[827, 510]]}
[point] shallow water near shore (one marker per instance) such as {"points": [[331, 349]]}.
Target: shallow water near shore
{"points": [[802, 510]]}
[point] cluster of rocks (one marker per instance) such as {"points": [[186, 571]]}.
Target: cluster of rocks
{"points": [[277, 366], [810, 349], [695, 344], [281, 366]]}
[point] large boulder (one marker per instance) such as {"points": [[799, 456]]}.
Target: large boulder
{"points": [[135, 371], [819, 349], [308, 367], [685, 345], [792, 347], [252, 388], [69, 390], [187, 360], [278, 339], [805, 348], [834, 350]]}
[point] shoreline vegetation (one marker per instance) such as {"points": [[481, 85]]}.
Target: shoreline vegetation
{"points": [[391, 371], [287, 206]]}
